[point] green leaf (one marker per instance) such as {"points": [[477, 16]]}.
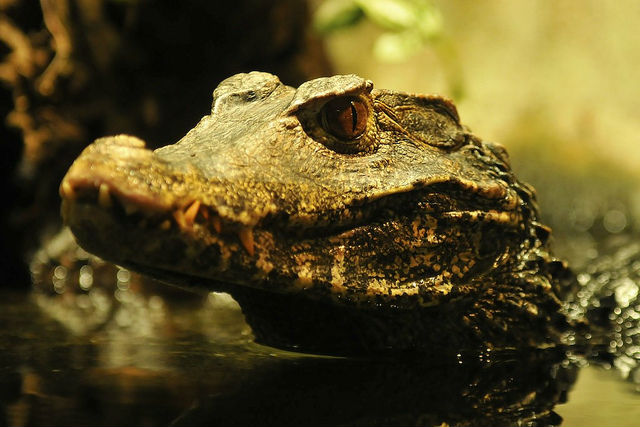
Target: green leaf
{"points": [[397, 47], [395, 15], [332, 15], [429, 22]]}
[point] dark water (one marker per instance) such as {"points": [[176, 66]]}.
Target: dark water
{"points": [[139, 359]]}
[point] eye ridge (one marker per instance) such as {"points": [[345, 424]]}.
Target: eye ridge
{"points": [[344, 118]]}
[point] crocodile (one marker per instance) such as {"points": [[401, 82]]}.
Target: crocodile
{"points": [[343, 219]]}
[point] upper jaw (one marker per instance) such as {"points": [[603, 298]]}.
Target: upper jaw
{"points": [[119, 171]]}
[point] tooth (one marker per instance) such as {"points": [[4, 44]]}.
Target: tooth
{"points": [[217, 224], [191, 212], [205, 212], [104, 198], [246, 238], [178, 215], [66, 190]]}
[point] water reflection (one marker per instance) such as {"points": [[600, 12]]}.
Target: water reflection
{"points": [[52, 376]]}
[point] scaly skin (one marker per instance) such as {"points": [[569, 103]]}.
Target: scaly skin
{"points": [[343, 219]]}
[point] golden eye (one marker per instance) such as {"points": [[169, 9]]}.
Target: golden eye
{"points": [[344, 118]]}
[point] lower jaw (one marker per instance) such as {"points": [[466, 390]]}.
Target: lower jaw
{"points": [[294, 321]]}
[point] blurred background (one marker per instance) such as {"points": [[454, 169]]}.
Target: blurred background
{"points": [[554, 81]]}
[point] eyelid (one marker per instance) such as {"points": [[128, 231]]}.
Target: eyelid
{"points": [[327, 88]]}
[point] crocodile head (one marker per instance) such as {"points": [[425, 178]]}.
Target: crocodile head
{"points": [[340, 217]]}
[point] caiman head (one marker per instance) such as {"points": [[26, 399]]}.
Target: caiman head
{"points": [[341, 217]]}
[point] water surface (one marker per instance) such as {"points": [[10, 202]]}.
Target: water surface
{"points": [[187, 360]]}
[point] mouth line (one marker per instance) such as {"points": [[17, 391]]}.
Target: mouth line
{"points": [[189, 282], [443, 201], [144, 211]]}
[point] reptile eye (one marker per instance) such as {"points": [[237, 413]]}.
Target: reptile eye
{"points": [[345, 118]]}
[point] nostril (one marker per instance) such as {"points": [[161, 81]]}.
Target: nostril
{"points": [[118, 148], [123, 141]]}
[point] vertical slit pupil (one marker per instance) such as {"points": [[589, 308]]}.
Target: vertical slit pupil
{"points": [[345, 118], [354, 117]]}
